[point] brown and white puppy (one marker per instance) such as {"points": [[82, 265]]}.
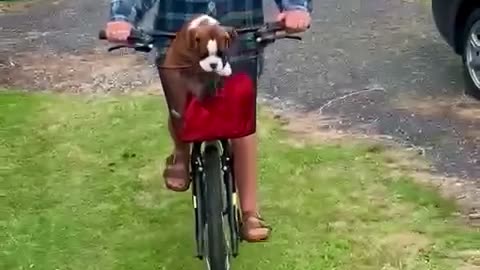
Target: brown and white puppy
{"points": [[202, 42]]}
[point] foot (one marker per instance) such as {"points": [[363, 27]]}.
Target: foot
{"points": [[176, 173], [254, 228]]}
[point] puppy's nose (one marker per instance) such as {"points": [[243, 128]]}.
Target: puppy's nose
{"points": [[213, 66]]}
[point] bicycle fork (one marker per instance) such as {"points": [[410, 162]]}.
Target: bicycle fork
{"points": [[197, 178], [231, 209]]}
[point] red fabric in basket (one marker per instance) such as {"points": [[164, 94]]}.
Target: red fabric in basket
{"points": [[228, 115]]}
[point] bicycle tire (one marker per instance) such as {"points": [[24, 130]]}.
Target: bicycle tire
{"points": [[217, 254]]}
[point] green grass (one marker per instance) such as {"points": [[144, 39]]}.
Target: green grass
{"points": [[81, 188]]}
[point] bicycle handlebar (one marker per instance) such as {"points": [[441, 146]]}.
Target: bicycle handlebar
{"points": [[142, 40]]}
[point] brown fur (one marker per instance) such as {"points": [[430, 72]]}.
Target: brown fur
{"points": [[186, 51], [190, 45]]}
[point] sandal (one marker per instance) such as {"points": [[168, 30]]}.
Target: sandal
{"points": [[253, 228], [176, 173]]}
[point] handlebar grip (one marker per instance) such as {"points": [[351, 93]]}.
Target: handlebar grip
{"points": [[278, 26], [102, 34]]}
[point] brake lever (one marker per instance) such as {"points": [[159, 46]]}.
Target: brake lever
{"points": [[273, 37], [293, 37], [274, 26], [140, 47], [113, 48]]}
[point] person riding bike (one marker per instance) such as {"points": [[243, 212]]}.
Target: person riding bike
{"points": [[170, 16]]}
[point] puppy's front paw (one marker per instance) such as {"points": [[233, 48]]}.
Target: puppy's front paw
{"points": [[225, 71]]}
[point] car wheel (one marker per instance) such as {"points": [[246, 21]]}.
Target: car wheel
{"points": [[471, 55]]}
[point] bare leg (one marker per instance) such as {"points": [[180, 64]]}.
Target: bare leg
{"points": [[245, 153], [180, 147]]}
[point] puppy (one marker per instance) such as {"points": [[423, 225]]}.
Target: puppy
{"points": [[202, 43], [198, 56]]}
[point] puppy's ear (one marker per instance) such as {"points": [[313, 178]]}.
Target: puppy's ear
{"points": [[230, 36], [233, 34], [193, 38], [226, 40]]}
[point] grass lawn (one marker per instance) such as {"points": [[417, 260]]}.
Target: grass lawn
{"points": [[81, 189]]}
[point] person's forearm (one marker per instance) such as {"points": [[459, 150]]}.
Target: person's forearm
{"points": [[285, 5], [121, 10], [141, 8], [130, 10]]}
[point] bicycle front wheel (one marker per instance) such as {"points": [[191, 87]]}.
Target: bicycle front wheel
{"points": [[217, 254]]}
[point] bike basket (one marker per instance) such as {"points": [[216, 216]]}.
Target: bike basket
{"points": [[229, 113]]}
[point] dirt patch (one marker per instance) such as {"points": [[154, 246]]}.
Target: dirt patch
{"points": [[14, 6], [399, 242], [306, 128], [88, 73], [22, 5], [464, 111], [471, 259], [402, 160], [466, 193], [461, 108], [469, 267]]}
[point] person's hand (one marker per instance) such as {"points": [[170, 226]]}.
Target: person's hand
{"points": [[118, 31], [295, 20]]}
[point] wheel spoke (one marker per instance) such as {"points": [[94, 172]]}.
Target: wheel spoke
{"points": [[474, 56], [475, 37], [472, 42], [475, 64], [473, 49], [475, 42]]}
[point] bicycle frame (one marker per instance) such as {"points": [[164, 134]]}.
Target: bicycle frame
{"points": [[265, 35]]}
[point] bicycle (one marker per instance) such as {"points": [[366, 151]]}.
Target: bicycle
{"points": [[214, 193]]}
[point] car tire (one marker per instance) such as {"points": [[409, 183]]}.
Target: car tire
{"points": [[471, 88]]}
